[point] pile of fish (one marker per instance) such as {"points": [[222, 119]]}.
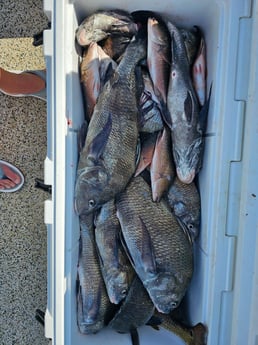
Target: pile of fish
{"points": [[144, 86]]}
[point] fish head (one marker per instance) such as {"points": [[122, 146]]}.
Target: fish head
{"points": [[188, 219], [157, 32], [166, 291], [191, 39], [188, 160], [89, 189], [117, 286]]}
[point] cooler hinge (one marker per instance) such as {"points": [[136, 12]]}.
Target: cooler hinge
{"points": [[48, 325]]}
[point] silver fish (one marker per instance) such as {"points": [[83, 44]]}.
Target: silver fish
{"points": [[183, 116]]}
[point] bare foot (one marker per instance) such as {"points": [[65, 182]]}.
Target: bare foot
{"points": [[10, 174], [11, 179]]}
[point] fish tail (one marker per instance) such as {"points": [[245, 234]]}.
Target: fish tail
{"points": [[134, 336]]}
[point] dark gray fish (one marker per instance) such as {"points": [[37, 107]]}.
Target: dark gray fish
{"points": [[184, 199], [115, 266], [183, 112], [108, 159], [93, 304], [192, 38], [150, 114], [102, 24], [159, 250], [135, 311]]}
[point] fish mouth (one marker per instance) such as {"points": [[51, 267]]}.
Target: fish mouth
{"points": [[164, 305], [186, 177], [188, 234]]}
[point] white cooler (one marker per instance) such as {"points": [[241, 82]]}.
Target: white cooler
{"points": [[224, 290]]}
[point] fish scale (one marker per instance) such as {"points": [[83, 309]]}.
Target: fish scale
{"points": [[160, 252], [115, 266], [92, 299]]}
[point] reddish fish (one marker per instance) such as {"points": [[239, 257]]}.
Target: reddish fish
{"points": [[162, 167], [158, 57], [199, 74], [147, 150], [96, 68], [90, 77]]}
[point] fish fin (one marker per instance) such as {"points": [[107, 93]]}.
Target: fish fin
{"points": [[188, 107], [166, 116], [134, 336], [173, 45], [109, 73], [82, 135], [138, 152], [98, 144], [154, 322], [147, 250], [126, 250], [147, 261], [185, 229], [139, 81], [204, 113]]}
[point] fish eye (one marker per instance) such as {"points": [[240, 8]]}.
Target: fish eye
{"points": [[91, 203], [190, 226], [124, 292], [174, 304]]}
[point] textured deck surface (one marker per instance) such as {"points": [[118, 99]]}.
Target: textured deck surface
{"points": [[23, 140]]}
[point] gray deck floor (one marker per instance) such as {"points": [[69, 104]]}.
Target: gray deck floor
{"points": [[23, 140]]}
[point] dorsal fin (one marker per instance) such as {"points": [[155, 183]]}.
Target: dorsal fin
{"points": [[189, 107], [98, 144]]}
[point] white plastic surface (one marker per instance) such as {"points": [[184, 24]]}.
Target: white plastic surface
{"points": [[224, 290]]}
